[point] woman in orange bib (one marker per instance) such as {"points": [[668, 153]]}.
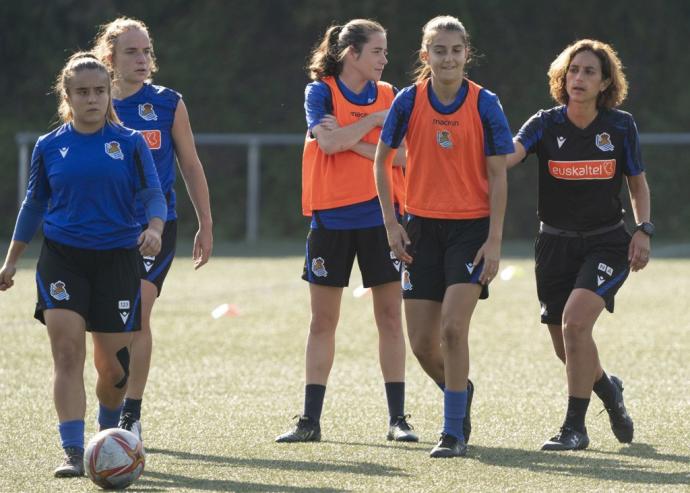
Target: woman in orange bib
{"points": [[457, 141], [345, 106]]}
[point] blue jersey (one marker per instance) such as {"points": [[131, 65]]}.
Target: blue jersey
{"points": [[497, 136], [90, 182], [318, 103], [151, 110]]}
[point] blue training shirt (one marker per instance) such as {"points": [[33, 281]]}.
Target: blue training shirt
{"points": [[498, 139], [151, 110], [318, 103], [87, 184]]}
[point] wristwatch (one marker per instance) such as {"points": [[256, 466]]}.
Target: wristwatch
{"points": [[646, 228]]}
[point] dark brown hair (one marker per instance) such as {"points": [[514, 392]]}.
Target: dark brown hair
{"points": [[611, 69], [327, 57]]}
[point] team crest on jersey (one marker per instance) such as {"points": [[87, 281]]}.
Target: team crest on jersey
{"points": [[123, 308], [58, 291], [603, 142], [318, 267], [113, 150], [147, 112], [443, 139], [396, 262], [406, 281], [148, 262]]}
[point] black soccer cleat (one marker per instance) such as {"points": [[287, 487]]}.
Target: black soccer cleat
{"points": [[467, 422], [448, 446], [401, 430], [306, 430], [621, 422], [130, 423], [567, 439], [73, 464]]}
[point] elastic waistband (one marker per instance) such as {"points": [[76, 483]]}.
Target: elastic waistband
{"points": [[545, 228]]}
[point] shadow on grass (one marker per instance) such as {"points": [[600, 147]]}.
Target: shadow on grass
{"points": [[646, 451], [585, 464], [397, 446], [156, 481], [347, 467]]}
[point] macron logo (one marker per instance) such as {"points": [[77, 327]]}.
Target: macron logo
{"points": [[470, 267], [64, 151], [600, 281], [560, 141]]}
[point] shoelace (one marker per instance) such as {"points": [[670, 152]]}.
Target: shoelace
{"points": [[127, 422], [447, 440], [401, 422]]}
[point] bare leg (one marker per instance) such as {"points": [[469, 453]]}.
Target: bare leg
{"points": [[388, 317], [142, 344], [66, 330], [325, 312], [424, 330]]}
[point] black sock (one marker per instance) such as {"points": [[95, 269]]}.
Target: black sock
{"points": [[395, 394], [313, 400], [575, 416], [132, 406], [605, 390]]}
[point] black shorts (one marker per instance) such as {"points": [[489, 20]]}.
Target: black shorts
{"points": [[443, 251], [331, 253], [103, 286], [598, 263], [155, 269]]}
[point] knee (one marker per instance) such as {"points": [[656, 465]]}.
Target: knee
{"points": [[323, 324], [453, 333], [115, 370], [389, 322], [423, 352], [574, 329], [68, 357]]}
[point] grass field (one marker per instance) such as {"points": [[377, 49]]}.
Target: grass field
{"points": [[221, 390]]}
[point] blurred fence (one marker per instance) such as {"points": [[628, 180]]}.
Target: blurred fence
{"points": [[261, 170]]}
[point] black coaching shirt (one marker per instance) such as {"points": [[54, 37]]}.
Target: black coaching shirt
{"points": [[581, 170]]}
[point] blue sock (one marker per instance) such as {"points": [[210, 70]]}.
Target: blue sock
{"points": [[72, 433], [108, 418], [455, 404], [441, 386]]}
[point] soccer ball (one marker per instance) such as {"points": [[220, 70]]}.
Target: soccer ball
{"points": [[114, 458]]}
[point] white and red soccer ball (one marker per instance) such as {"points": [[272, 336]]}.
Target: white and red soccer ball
{"points": [[114, 458]]}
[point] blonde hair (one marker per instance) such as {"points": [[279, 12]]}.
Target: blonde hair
{"points": [[106, 39], [611, 69], [78, 62], [327, 57], [430, 29]]}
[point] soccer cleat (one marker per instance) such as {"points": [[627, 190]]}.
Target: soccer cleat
{"points": [[621, 422], [130, 423], [401, 430], [73, 464], [467, 423], [567, 439], [306, 430], [449, 446]]}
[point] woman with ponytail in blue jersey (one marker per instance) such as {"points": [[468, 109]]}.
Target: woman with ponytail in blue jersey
{"points": [[85, 178], [160, 114]]}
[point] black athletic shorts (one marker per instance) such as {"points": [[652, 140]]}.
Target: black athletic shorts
{"points": [[598, 263], [443, 251], [155, 269], [102, 286], [331, 254]]}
